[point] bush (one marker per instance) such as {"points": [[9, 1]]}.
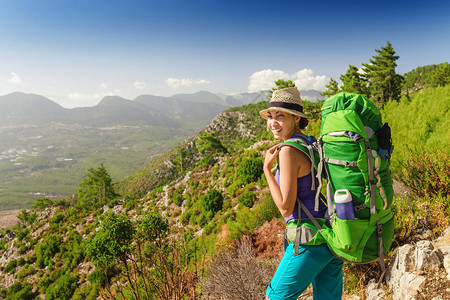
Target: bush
{"points": [[427, 174], [237, 274], [22, 234], [58, 218], [11, 267], [250, 170], [247, 198], [46, 250], [62, 288], [17, 291], [212, 201], [178, 199], [42, 203], [233, 189]]}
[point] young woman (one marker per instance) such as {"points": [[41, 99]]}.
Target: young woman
{"points": [[315, 263]]}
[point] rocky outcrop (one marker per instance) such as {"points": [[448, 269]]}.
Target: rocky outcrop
{"points": [[420, 271]]}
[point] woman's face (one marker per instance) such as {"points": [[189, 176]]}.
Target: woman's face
{"points": [[282, 124]]}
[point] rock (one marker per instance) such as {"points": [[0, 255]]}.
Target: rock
{"points": [[418, 270], [403, 261], [426, 258], [400, 277], [444, 240], [446, 261], [373, 292], [443, 244]]}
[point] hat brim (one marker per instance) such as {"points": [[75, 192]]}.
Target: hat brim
{"points": [[265, 112]]}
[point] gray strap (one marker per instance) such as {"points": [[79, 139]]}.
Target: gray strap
{"points": [[298, 229], [312, 158], [381, 251], [319, 144], [380, 245], [310, 216], [330, 201], [341, 162], [371, 177], [297, 232]]}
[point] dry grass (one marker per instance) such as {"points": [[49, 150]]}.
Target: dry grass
{"points": [[238, 274]]}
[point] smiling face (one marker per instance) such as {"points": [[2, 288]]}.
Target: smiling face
{"points": [[282, 124]]}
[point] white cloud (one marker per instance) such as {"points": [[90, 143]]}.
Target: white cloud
{"points": [[176, 82], [303, 79], [139, 85], [15, 79], [103, 85], [265, 79]]}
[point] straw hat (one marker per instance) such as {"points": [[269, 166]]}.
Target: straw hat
{"points": [[287, 100]]}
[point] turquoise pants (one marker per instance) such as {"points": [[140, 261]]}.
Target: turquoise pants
{"points": [[314, 264]]}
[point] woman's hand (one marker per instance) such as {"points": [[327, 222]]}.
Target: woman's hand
{"points": [[271, 156]]}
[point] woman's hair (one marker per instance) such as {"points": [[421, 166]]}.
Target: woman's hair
{"points": [[303, 123]]}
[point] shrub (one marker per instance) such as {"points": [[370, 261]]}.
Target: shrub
{"points": [[237, 274], [427, 174], [97, 277], [62, 288], [212, 201], [42, 203], [46, 250], [58, 218], [20, 292], [178, 199], [11, 266], [22, 234], [247, 198], [250, 170], [233, 189], [21, 261]]}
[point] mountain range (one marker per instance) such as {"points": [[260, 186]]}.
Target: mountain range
{"points": [[45, 149], [20, 108]]}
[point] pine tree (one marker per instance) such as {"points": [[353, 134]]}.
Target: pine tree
{"points": [[354, 82], [96, 189], [332, 89], [180, 158], [281, 84], [384, 83], [441, 76]]}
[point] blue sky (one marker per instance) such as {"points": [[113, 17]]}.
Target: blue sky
{"points": [[75, 52]]}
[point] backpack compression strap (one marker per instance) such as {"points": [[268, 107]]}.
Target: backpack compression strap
{"points": [[297, 239]]}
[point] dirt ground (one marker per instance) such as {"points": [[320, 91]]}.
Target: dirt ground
{"points": [[8, 218]]}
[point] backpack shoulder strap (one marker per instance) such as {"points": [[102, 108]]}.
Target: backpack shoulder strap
{"points": [[305, 145]]}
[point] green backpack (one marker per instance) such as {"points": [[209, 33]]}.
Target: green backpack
{"points": [[352, 154]]}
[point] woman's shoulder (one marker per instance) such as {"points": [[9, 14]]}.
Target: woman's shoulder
{"points": [[291, 153]]}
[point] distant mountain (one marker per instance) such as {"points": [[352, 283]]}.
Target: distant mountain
{"points": [[176, 108], [311, 95], [202, 97], [246, 98], [113, 110], [20, 108]]}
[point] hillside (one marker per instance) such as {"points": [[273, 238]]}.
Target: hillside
{"points": [[216, 204]]}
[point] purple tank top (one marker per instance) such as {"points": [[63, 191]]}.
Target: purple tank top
{"points": [[307, 196]]}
